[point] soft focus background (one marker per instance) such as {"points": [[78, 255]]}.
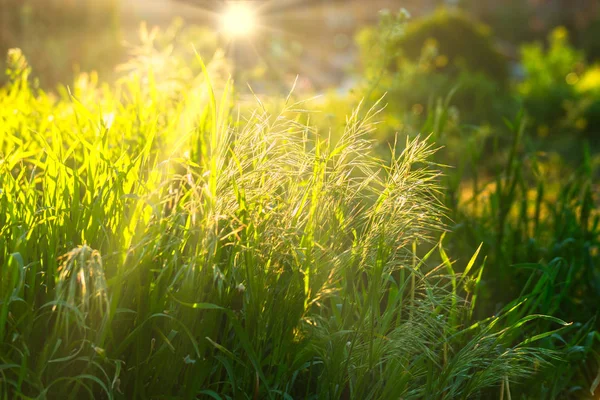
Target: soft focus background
{"points": [[60, 35], [509, 90], [503, 55]]}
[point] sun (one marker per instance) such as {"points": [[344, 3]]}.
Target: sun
{"points": [[238, 20]]}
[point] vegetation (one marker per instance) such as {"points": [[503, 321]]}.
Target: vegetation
{"points": [[466, 44], [417, 62], [263, 260], [162, 239], [561, 91]]}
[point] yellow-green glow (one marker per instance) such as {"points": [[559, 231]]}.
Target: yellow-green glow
{"points": [[239, 19]]}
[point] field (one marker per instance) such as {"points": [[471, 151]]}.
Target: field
{"points": [[163, 237]]}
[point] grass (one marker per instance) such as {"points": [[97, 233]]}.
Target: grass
{"points": [[538, 220], [154, 245], [534, 215]]}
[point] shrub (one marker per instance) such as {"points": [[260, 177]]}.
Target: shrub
{"points": [[463, 44], [414, 85]]}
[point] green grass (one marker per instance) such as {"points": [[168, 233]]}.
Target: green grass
{"points": [[541, 228], [155, 245]]}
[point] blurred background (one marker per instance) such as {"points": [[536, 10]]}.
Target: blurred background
{"points": [[493, 57], [313, 38]]}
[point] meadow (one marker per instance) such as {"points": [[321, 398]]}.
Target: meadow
{"points": [[161, 238]]}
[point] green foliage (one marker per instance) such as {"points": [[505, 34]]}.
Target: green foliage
{"points": [[416, 63], [463, 44], [560, 91], [156, 244], [539, 224], [535, 214], [550, 76], [151, 246]]}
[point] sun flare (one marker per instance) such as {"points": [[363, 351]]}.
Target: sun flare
{"points": [[238, 20]]}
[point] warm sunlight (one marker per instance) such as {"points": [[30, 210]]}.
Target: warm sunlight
{"points": [[239, 19], [299, 199]]}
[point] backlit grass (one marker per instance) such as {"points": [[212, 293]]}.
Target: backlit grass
{"points": [[153, 244]]}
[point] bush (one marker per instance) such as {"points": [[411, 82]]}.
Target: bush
{"points": [[415, 84], [463, 44]]}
